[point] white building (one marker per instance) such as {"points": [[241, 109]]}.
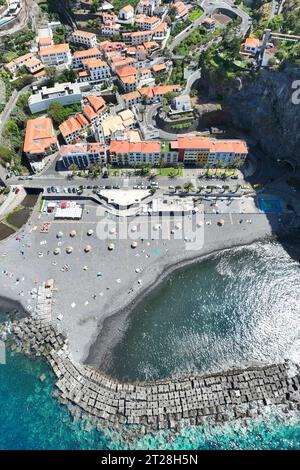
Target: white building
{"points": [[251, 45], [85, 38], [79, 56], [56, 55], [95, 70], [126, 13], [181, 103], [64, 93]]}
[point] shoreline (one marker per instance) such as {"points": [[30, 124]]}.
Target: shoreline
{"points": [[114, 325]]}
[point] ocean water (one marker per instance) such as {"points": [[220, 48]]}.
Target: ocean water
{"points": [[242, 306]]}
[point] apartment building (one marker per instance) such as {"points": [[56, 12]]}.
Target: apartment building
{"points": [[83, 154], [56, 55], [73, 128], [138, 37], [124, 152], [95, 70], [110, 29], [147, 23], [127, 78], [40, 140], [84, 38], [79, 56], [199, 151]]}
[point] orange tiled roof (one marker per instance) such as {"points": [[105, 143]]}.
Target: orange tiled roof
{"points": [[126, 71], [94, 63], [212, 145], [88, 53], [89, 112], [131, 96], [158, 67], [39, 135], [92, 147], [251, 42], [56, 49], [125, 146], [73, 124], [84, 34], [97, 102], [150, 44]]}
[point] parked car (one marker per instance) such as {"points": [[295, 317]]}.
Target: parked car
{"points": [[48, 190], [74, 190], [53, 190], [108, 187]]}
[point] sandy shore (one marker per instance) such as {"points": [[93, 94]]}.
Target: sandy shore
{"points": [[96, 291]]}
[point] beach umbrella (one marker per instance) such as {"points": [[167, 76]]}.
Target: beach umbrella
{"points": [[73, 233], [156, 227], [87, 248], [59, 235], [90, 232], [134, 244], [199, 224], [56, 251], [221, 222], [111, 246], [69, 249], [112, 230], [178, 226], [85, 268], [134, 228]]}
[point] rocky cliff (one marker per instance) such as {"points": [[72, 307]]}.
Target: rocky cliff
{"points": [[261, 104]]}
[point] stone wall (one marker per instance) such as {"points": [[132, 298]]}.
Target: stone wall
{"points": [[163, 403]]}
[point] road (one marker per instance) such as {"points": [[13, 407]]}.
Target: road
{"points": [[210, 7], [4, 116]]}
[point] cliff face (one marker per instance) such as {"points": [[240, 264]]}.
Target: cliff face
{"points": [[263, 106]]}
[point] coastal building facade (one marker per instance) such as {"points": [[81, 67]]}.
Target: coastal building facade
{"points": [[83, 154]]}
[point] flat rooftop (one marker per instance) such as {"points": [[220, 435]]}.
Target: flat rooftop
{"points": [[121, 197]]}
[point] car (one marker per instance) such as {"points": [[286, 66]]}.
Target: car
{"points": [[65, 190], [105, 174], [74, 190], [48, 190], [116, 186], [107, 186], [53, 190], [89, 187], [235, 177], [95, 187], [17, 190], [20, 178], [171, 187], [57, 189]]}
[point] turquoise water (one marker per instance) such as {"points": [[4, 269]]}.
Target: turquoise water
{"points": [[32, 419], [243, 283]]}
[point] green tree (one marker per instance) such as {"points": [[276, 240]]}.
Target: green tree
{"points": [[57, 113], [74, 169], [189, 187]]}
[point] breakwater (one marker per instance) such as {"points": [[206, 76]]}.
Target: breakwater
{"points": [[161, 404]]}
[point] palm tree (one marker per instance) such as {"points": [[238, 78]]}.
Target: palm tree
{"points": [[189, 187], [219, 164], [200, 188], [172, 173], [74, 169], [161, 162], [178, 187]]}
